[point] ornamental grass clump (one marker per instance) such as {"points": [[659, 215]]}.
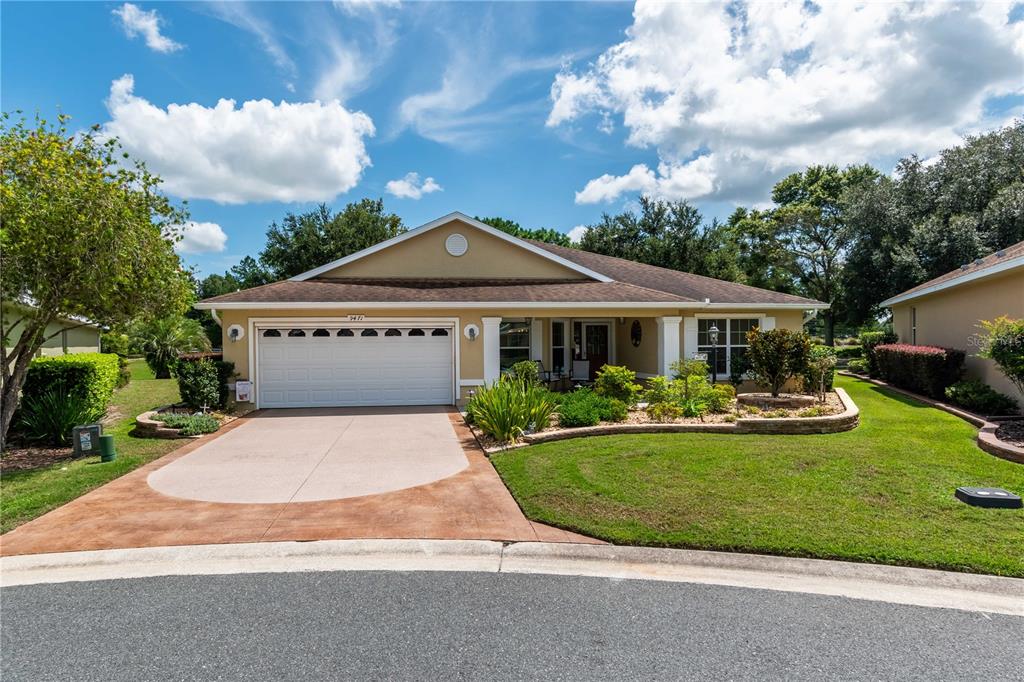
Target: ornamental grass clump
{"points": [[50, 416], [510, 408]]}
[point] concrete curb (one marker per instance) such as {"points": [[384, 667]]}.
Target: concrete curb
{"points": [[910, 586]]}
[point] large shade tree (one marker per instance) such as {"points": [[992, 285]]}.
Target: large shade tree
{"points": [[84, 234], [539, 234]]}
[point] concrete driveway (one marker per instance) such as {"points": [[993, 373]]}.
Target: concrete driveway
{"points": [[295, 475], [306, 455]]}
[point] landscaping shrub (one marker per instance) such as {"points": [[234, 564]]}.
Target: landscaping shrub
{"points": [[738, 369], [928, 370], [194, 372], [507, 409], [849, 352], [696, 406], [664, 412], [777, 355], [1004, 344], [718, 397], [662, 390], [618, 382], [869, 341], [90, 377], [190, 424], [820, 372], [198, 384], [164, 340], [683, 370], [584, 407], [525, 370], [859, 366], [124, 373], [979, 397], [49, 416], [115, 342]]}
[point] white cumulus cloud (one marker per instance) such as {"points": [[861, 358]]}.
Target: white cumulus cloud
{"points": [[138, 22], [734, 96], [260, 151], [410, 186], [201, 238], [576, 233]]}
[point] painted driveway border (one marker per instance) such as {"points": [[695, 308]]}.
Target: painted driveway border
{"points": [[897, 585]]}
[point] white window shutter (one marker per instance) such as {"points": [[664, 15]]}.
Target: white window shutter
{"points": [[537, 339], [689, 337], [767, 323]]}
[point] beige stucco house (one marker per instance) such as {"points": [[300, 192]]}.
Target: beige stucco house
{"points": [[63, 336], [428, 316], [947, 310]]}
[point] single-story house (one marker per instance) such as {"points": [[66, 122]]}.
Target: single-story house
{"points": [[948, 310], [63, 335], [428, 316]]}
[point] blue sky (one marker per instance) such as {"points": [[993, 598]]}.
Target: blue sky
{"points": [[546, 113]]}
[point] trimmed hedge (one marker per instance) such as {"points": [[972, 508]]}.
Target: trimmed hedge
{"points": [[92, 377], [928, 370], [980, 398]]}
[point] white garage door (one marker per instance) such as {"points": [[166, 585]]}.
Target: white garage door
{"points": [[335, 367]]}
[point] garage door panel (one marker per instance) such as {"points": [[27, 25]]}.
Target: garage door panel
{"points": [[306, 371]]}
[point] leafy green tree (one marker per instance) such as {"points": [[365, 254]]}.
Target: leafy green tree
{"points": [[811, 226], [308, 240], [667, 234], [162, 340], [930, 218], [761, 257], [84, 233], [540, 234], [777, 355]]}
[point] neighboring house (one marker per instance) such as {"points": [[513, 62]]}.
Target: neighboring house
{"points": [[426, 317], [948, 310], [63, 336]]}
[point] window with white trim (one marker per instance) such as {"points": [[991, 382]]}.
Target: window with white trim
{"points": [[514, 342], [558, 347], [732, 340]]}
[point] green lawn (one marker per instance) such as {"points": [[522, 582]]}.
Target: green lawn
{"points": [[25, 495], [880, 493]]}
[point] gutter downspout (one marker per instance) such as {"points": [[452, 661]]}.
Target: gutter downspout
{"points": [[213, 314]]}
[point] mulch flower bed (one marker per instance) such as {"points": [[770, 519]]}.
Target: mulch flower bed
{"points": [[1012, 432], [832, 405], [33, 457]]}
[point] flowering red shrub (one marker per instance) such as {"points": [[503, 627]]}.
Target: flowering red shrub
{"points": [[923, 369]]}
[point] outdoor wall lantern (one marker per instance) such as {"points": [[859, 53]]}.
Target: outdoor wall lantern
{"points": [[471, 331], [713, 334], [236, 333]]}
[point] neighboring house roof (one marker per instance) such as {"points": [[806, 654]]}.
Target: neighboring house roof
{"points": [[70, 320], [1010, 258], [613, 282]]}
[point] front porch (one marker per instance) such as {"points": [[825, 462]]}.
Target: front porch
{"points": [[573, 349]]}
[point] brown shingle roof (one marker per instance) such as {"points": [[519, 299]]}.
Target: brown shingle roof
{"points": [[977, 266], [685, 284], [339, 290]]}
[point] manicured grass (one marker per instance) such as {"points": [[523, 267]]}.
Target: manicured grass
{"points": [[25, 495], [139, 369], [881, 493]]}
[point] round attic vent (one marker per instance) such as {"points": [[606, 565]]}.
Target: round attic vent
{"points": [[456, 244]]}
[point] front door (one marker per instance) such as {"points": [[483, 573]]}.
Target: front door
{"points": [[595, 343]]}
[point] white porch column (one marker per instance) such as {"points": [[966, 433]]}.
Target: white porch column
{"points": [[492, 348], [668, 343], [537, 339]]}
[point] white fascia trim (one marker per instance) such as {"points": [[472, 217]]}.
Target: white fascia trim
{"points": [[352, 305], [948, 284], [444, 220]]}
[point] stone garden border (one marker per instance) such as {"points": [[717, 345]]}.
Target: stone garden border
{"points": [[846, 420], [148, 427], [986, 439]]}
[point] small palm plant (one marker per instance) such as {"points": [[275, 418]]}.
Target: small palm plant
{"points": [[164, 339], [510, 408]]}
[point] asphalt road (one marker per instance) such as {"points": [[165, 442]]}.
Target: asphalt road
{"points": [[348, 625]]}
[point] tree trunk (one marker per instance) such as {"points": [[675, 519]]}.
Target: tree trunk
{"points": [[830, 328], [23, 352]]}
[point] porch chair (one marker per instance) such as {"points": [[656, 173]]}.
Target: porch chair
{"points": [[581, 372]]}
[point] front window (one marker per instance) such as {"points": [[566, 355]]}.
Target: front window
{"points": [[732, 340], [558, 347], [514, 342]]}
